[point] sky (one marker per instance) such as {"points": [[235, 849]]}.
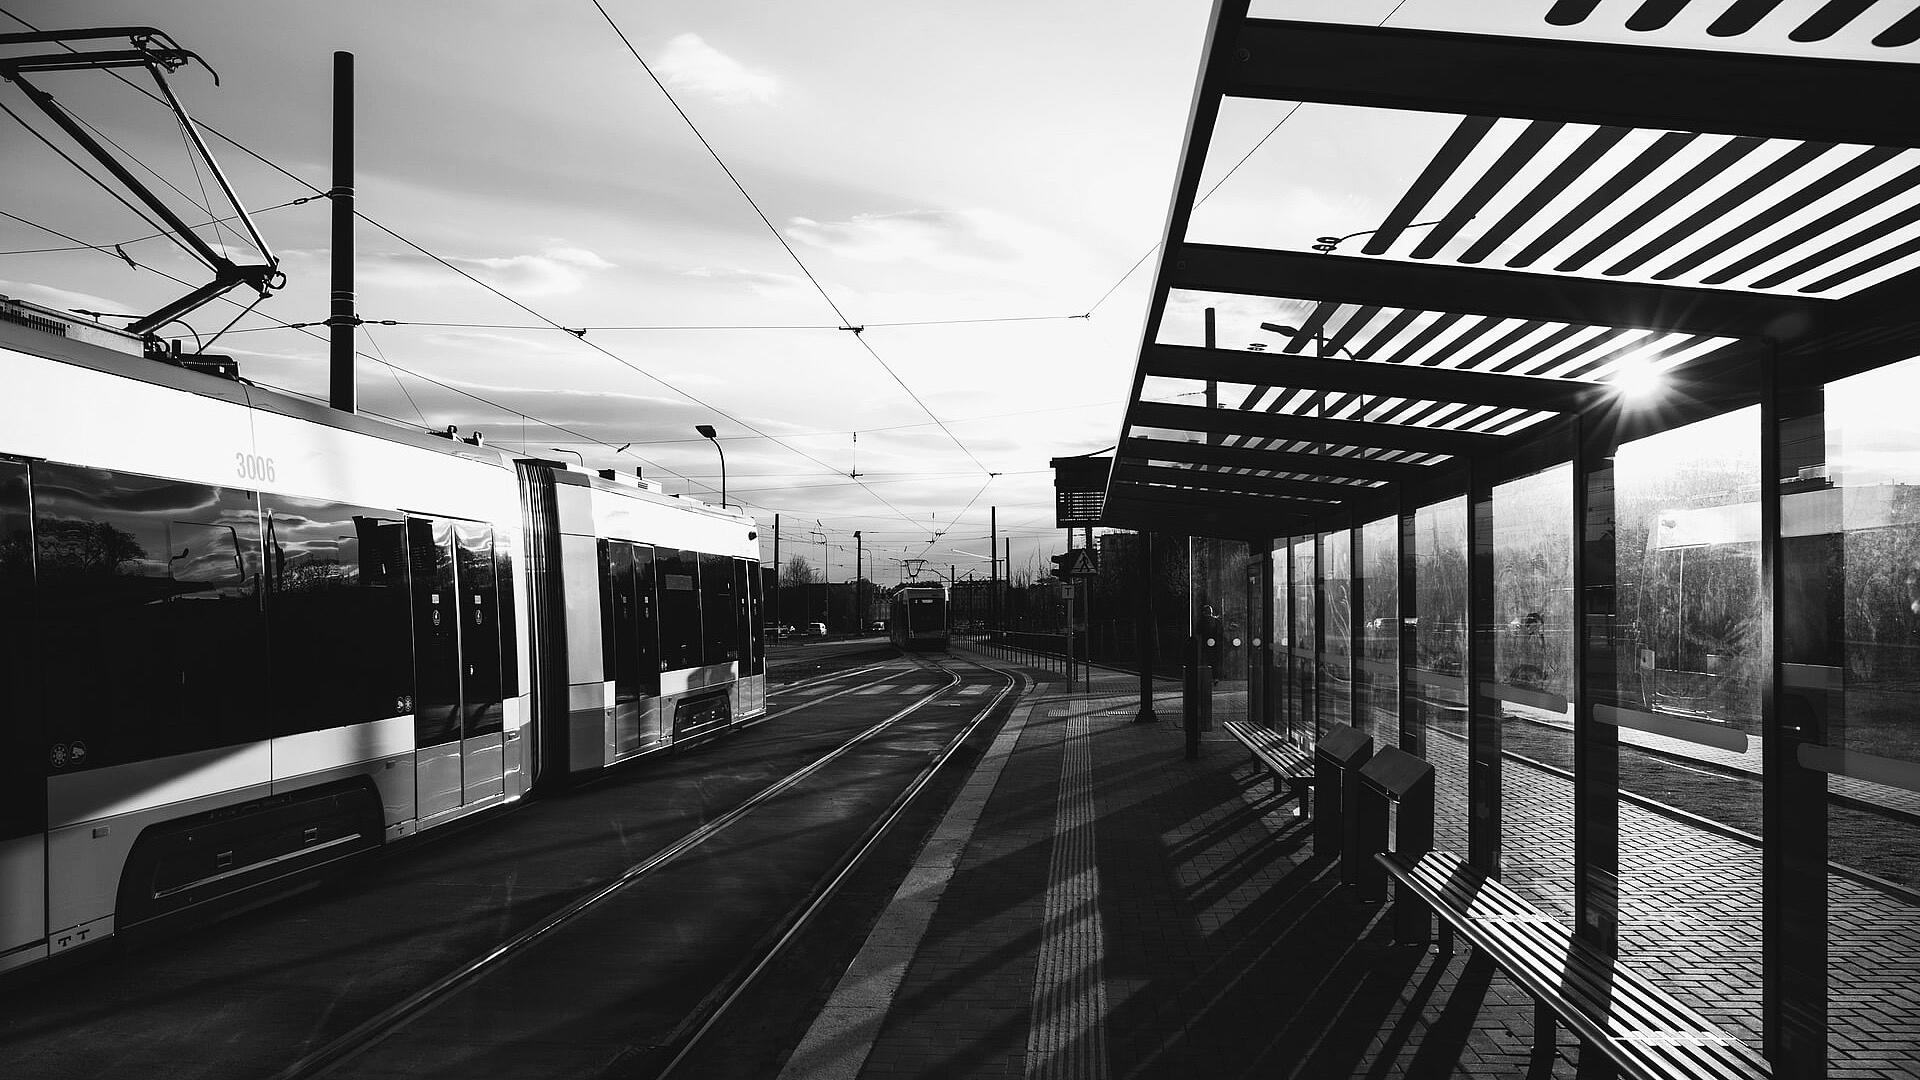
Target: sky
{"points": [[980, 187], [924, 162]]}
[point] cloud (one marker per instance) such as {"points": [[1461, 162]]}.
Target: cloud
{"points": [[962, 240], [759, 281], [692, 65], [557, 270], [64, 299]]}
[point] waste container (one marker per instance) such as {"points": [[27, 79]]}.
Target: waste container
{"points": [[1337, 757]]}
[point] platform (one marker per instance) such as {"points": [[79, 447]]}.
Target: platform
{"points": [[1096, 906]]}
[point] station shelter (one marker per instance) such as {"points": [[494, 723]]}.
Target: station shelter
{"points": [[1543, 383]]}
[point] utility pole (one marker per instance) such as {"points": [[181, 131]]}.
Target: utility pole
{"points": [[776, 570], [342, 317], [859, 609], [993, 565]]}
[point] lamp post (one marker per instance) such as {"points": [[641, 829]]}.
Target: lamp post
{"points": [[706, 432], [1320, 350]]}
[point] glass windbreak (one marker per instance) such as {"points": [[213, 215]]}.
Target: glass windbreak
{"points": [[1219, 573], [1435, 671], [1336, 633], [1377, 668], [1532, 642], [1692, 641], [1851, 670], [1279, 680], [1305, 651]]}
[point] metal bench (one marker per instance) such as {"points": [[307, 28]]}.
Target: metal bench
{"points": [[1290, 763], [1644, 1031]]}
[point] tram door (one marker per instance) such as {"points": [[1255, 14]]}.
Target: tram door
{"points": [[482, 756], [635, 642], [436, 668], [23, 747]]}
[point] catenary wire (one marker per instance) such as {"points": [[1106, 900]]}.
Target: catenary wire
{"points": [[794, 255]]}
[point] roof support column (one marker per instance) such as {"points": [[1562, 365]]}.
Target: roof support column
{"points": [[1483, 710], [1596, 664], [1802, 686]]}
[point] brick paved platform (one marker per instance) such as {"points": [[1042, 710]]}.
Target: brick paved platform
{"points": [[1096, 906]]}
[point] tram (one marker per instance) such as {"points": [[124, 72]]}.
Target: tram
{"points": [[245, 636], [918, 617]]}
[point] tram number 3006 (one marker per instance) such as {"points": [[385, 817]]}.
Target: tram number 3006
{"points": [[253, 467]]}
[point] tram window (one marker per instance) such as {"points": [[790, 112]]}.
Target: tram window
{"points": [[509, 635], [755, 622], [619, 618], [23, 750], [646, 626], [337, 614], [478, 614], [678, 573], [436, 632], [149, 648], [717, 609]]}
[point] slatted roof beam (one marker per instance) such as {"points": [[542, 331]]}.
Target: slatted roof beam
{"points": [[1241, 457], [1359, 377], [1164, 510], [1778, 97], [1268, 425], [1240, 482], [1477, 290]]}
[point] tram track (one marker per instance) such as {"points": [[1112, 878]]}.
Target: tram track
{"points": [[284, 979], [765, 812]]}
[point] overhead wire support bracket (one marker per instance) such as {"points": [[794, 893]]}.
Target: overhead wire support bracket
{"points": [[158, 54]]}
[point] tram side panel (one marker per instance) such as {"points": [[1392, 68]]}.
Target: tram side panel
{"points": [[182, 757]]}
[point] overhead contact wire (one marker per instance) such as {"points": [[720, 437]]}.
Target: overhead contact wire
{"points": [[782, 240]]}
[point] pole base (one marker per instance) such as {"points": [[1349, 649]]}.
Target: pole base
{"points": [[1146, 716]]}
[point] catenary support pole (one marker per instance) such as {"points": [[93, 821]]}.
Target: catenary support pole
{"points": [[342, 319]]}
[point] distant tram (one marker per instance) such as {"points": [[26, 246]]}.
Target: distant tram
{"points": [[919, 617]]}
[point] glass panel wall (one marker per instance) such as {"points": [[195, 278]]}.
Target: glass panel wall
{"points": [[1440, 700], [1223, 617], [1377, 668], [1851, 674], [1693, 628], [1532, 642], [1306, 635], [1336, 638], [1280, 675]]}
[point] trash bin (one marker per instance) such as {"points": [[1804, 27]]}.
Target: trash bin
{"points": [[1337, 757], [1395, 778]]}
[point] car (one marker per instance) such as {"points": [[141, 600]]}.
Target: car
{"points": [[878, 626], [786, 629], [770, 632], [818, 629]]}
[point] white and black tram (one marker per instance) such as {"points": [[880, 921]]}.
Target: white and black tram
{"points": [[244, 635], [917, 616]]}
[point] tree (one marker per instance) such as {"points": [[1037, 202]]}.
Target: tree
{"points": [[798, 571]]}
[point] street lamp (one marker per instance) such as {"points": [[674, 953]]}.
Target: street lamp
{"points": [[706, 432], [1320, 350]]}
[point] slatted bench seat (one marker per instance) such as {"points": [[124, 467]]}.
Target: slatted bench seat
{"points": [[1290, 763], [1644, 1031]]}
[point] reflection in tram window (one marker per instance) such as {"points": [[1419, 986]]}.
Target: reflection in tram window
{"points": [[149, 649], [337, 612]]}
